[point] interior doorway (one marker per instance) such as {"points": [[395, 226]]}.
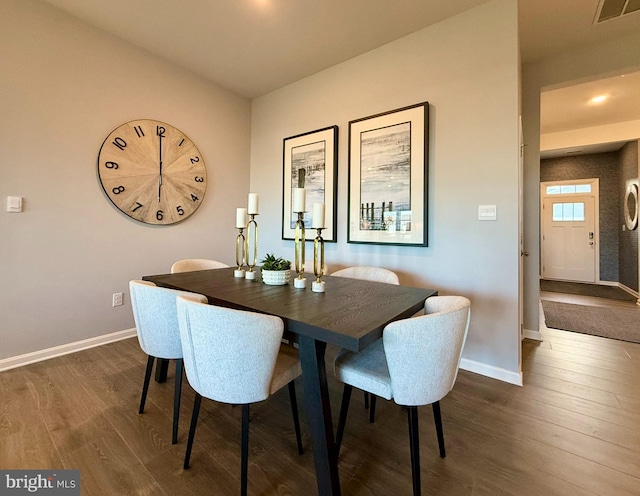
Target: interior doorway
{"points": [[590, 128]]}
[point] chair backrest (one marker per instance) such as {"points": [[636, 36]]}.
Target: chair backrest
{"points": [[308, 268], [229, 355], [423, 353], [156, 318], [376, 274], [191, 264]]}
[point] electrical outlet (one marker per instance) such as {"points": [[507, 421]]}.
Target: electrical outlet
{"points": [[117, 300]]}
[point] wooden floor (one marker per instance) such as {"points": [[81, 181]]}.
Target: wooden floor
{"points": [[573, 429]]}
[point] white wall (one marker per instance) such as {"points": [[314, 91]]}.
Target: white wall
{"points": [[64, 86], [467, 68], [604, 59]]}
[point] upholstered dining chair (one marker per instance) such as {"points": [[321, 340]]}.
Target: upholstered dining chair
{"points": [[191, 264], [375, 274], [415, 363], [236, 357], [156, 319], [308, 268]]}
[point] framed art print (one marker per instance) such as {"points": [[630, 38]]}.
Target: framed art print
{"points": [[310, 161], [388, 177]]}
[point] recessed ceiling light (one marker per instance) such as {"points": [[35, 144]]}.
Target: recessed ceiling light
{"points": [[598, 99]]}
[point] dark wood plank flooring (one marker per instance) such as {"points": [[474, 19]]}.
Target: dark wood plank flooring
{"points": [[572, 430]]}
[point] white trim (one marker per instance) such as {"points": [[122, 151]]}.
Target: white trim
{"points": [[629, 290], [601, 282], [65, 349], [531, 334], [491, 371], [614, 284]]}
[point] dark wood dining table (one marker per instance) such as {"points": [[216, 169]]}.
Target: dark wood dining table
{"points": [[351, 314]]}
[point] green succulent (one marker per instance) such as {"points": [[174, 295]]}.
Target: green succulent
{"points": [[270, 262]]}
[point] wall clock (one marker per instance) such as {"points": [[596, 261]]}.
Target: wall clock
{"points": [[152, 172]]}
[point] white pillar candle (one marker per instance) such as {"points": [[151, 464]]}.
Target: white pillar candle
{"points": [[253, 203], [299, 199], [317, 221], [241, 217]]}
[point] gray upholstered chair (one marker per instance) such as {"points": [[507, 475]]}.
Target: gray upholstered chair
{"points": [[154, 313], [191, 264], [375, 274], [236, 357], [308, 268], [414, 363]]}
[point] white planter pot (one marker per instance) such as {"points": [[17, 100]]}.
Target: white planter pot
{"points": [[276, 277]]}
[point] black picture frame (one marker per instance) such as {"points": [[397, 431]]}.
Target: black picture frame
{"points": [[388, 166], [316, 154]]}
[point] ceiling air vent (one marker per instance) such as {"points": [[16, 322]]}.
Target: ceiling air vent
{"points": [[610, 9]]}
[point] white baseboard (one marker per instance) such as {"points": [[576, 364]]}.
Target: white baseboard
{"points": [[614, 284], [65, 349], [633, 293], [621, 286], [491, 371], [531, 334]]}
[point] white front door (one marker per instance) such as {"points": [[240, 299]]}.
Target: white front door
{"points": [[569, 238]]}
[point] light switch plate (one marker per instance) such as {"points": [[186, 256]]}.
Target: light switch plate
{"points": [[487, 212], [14, 204]]}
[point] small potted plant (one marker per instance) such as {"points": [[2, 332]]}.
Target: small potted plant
{"points": [[275, 271]]}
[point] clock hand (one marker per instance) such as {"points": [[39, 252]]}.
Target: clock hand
{"points": [[160, 176]]}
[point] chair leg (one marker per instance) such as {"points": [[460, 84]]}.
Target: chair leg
{"points": [[145, 385], [176, 399], [296, 420], [438, 419], [372, 410], [344, 408], [244, 463], [414, 445], [192, 429]]}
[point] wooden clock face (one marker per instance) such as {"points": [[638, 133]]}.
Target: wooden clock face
{"points": [[152, 172]]}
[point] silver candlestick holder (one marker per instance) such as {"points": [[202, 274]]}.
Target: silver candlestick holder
{"points": [[318, 262], [251, 240], [300, 282], [241, 254]]}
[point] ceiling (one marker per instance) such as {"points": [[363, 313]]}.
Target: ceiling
{"points": [[571, 108], [253, 47], [256, 46]]}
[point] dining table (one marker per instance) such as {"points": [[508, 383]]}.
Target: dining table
{"points": [[350, 314]]}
